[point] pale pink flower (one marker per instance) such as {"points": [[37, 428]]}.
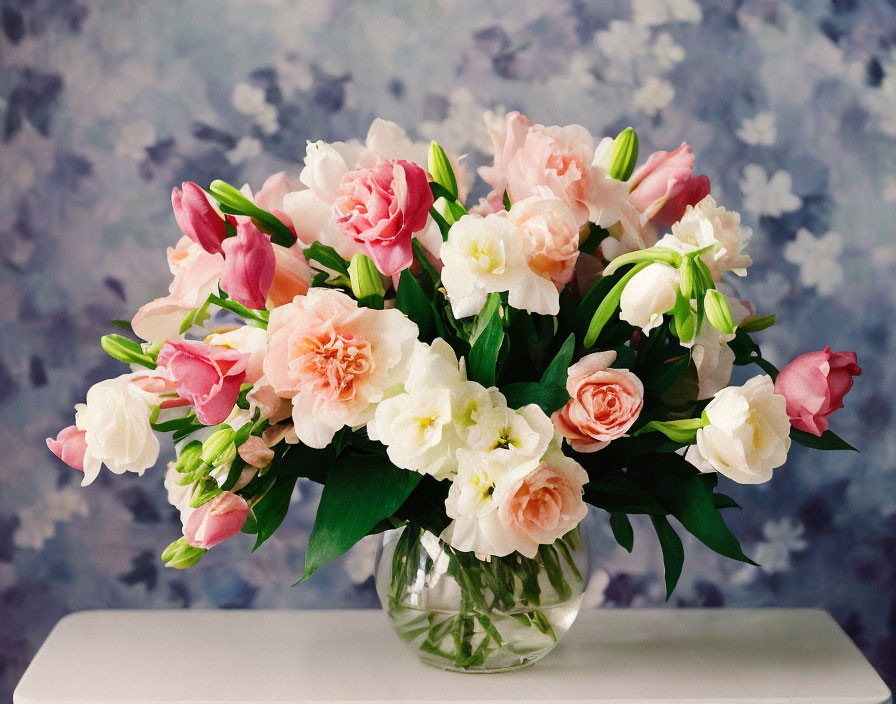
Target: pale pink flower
{"points": [[216, 520], [208, 376], [196, 275], [544, 504], [255, 452], [550, 237], [605, 403], [70, 446], [248, 340], [381, 207], [334, 360], [292, 275]]}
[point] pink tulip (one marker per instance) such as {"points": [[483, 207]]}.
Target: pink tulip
{"points": [[255, 452], [381, 207], [70, 446], [814, 385], [216, 520], [248, 266], [666, 185], [208, 376], [196, 217]]}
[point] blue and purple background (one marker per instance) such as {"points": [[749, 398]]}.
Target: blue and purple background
{"points": [[790, 106]]}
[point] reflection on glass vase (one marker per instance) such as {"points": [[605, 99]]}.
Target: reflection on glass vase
{"points": [[457, 612]]}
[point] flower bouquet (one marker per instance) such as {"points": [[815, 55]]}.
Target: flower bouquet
{"points": [[463, 381]]}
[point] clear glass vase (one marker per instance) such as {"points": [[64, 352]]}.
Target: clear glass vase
{"points": [[459, 613]]}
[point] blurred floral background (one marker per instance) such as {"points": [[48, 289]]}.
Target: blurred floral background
{"points": [[790, 107]]}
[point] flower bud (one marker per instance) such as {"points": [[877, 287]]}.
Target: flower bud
{"points": [[718, 312], [624, 156], [127, 351], [688, 278], [180, 554], [190, 458], [440, 169], [218, 448], [366, 280], [196, 217]]}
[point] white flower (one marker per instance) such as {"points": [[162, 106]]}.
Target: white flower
{"points": [[516, 435], [748, 433], [483, 255], [115, 418], [622, 41], [653, 96], [818, 259], [666, 51], [648, 295], [245, 148], [759, 130], [768, 196], [712, 356], [656, 12], [708, 224]]}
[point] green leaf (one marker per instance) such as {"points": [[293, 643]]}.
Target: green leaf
{"points": [[620, 495], [681, 431], [123, 324], [691, 502], [609, 304], [724, 501], [483, 357], [556, 373], [234, 202], [673, 551], [359, 493], [127, 351], [272, 509], [664, 255], [410, 300], [756, 324], [622, 530], [328, 257], [548, 398], [827, 441], [252, 317], [663, 378]]}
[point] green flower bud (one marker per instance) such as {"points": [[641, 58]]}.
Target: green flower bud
{"points": [[127, 351], [684, 319], [218, 447], [190, 458], [440, 169], [180, 554], [689, 276], [718, 312], [366, 280], [625, 154]]}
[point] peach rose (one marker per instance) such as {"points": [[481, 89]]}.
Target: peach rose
{"points": [[605, 403], [545, 504], [334, 360], [550, 235]]}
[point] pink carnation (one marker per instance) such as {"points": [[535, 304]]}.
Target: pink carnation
{"points": [[605, 403], [381, 207], [208, 376], [70, 446]]}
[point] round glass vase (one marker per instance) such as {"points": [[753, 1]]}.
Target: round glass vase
{"points": [[460, 613]]}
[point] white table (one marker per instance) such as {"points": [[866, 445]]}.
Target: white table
{"points": [[626, 655]]}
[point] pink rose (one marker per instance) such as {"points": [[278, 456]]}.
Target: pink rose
{"points": [[545, 504], [196, 275], [196, 217], [216, 520], [208, 376], [382, 207], [666, 185], [334, 359], [551, 237], [814, 385], [70, 446], [248, 266], [605, 403]]}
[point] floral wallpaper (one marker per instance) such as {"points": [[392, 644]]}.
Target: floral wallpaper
{"points": [[790, 107]]}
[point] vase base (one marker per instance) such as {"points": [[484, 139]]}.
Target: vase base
{"points": [[522, 664]]}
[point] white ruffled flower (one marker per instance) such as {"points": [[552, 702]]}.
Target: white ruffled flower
{"points": [[115, 419], [708, 224], [514, 434], [748, 433], [484, 255], [712, 356], [648, 295]]}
